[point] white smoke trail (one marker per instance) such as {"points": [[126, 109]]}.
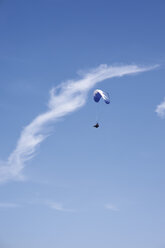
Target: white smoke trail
{"points": [[64, 99]]}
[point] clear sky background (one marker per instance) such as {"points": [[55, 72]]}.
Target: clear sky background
{"points": [[84, 187]]}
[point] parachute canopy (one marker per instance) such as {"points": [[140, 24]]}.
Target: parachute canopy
{"points": [[98, 94]]}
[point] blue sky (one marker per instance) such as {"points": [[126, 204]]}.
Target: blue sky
{"points": [[64, 183]]}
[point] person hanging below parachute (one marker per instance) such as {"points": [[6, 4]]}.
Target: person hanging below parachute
{"points": [[96, 125], [97, 95]]}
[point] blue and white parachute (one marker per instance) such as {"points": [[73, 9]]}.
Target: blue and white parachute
{"points": [[98, 94]]}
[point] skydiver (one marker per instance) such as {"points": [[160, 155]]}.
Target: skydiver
{"points": [[96, 125]]}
